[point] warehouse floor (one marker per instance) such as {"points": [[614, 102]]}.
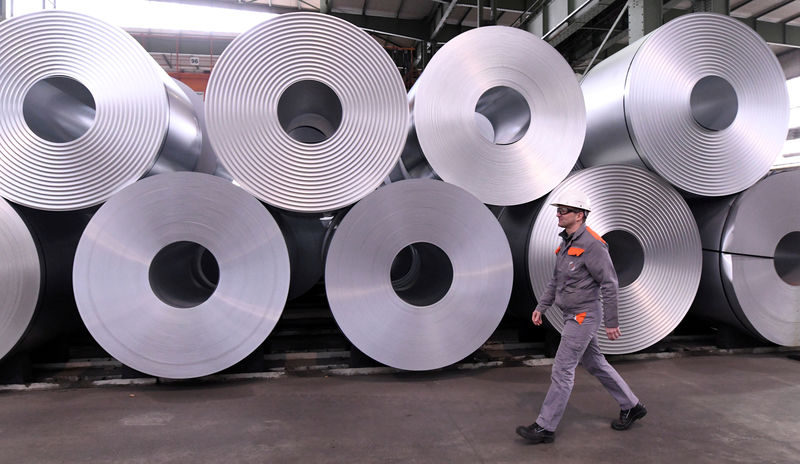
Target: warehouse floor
{"points": [[710, 409]]}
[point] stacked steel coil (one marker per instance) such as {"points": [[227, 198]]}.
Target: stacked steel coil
{"points": [[69, 137], [653, 241], [20, 278], [296, 127], [181, 275], [497, 112], [418, 274], [701, 101], [751, 259]]}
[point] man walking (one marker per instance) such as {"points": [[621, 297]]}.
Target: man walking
{"points": [[584, 273]]}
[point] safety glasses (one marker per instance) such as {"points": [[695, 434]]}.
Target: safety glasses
{"points": [[562, 211]]}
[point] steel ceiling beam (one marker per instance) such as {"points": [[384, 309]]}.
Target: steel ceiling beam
{"points": [[509, 6], [712, 6], [415, 29], [644, 16], [775, 33], [559, 19], [236, 5], [442, 14]]}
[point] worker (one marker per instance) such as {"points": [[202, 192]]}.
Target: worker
{"points": [[584, 285]]}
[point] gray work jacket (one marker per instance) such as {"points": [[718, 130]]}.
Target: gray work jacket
{"points": [[583, 273]]}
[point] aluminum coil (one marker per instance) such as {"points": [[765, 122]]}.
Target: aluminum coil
{"points": [[207, 161], [181, 275], [517, 222], [20, 278], [307, 112], [751, 275], [86, 111], [701, 101], [418, 274], [497, 112], [654, 244], [307, 238]]}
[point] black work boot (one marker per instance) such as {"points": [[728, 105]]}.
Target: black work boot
{"points": [[536, 434], [628, 416]]}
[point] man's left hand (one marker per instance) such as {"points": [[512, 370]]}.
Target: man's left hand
{"points": [[614, 333]]}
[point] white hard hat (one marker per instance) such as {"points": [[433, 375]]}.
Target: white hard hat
{"points": [[573, 198]]}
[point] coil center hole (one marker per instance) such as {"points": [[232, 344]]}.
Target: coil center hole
{"points": [[787, 258], [184, 274], [502, 115], [627, 255], [714, 103], [421, 274], [58, 109], [309, 111]]}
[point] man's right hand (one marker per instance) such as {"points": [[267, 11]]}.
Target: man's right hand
{"points": [[536, 318]]}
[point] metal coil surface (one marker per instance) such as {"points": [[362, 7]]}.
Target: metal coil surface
{"points": [[751, 275], [181, 275], [20, 278], [499, 113], [307, 112], [701, 101], [418, 274], [207, 161], [86, 112], [653, 241]]}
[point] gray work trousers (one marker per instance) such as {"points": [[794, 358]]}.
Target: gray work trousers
{"points": [[579, 343]]}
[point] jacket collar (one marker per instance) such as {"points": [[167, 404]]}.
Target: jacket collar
{"points": [[575, 234]]}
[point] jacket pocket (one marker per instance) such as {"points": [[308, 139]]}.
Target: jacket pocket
{"points": [[574, 251]]}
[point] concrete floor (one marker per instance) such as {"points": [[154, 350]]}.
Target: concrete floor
{"points": [[743, 408]]}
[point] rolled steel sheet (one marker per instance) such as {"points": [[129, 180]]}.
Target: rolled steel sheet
{"points": [[517, 222], [701, 101], [307, 112], [86, 111], [654, 244], [207, 161], [20, 278], [418, 274], [181, 275], [751, 273], [497, 112], [306, 237]]}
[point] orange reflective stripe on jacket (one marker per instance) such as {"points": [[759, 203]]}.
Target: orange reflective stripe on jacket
{"points": [[595, 235], [558, 249], [580, 317], [575, 251]]}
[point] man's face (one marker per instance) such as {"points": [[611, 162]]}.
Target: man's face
{"points": [[567, 217]]}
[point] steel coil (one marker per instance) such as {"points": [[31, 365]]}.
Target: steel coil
{"points": [[497, 112], [306, 237], [418, 274], [751, 272], [86, 111], [20, 278], [654, 244], [181, 275], [701, 101], [517, 222], [294, 124], [207, 160]]}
